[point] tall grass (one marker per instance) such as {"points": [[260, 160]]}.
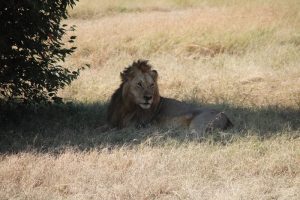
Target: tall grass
{"points": [[237, 53], [241, 57], [247, 169]]}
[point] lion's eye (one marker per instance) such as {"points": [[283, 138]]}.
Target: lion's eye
{"points": [[140, 84]]}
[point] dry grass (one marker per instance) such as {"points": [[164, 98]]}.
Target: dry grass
{"points": [[239, 56], [244, 55], [246, 169]]}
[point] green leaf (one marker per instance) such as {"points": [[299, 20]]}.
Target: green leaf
{"points": [[31, 44]]}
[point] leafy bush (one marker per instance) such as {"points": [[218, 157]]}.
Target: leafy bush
{"points": [[32, 49]]}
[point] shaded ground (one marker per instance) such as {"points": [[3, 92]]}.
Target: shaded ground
{"points": [[53, 128]]}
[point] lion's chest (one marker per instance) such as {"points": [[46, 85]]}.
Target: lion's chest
{"points": [[139, 118]]}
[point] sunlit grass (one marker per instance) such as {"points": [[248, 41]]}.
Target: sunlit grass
{"points": [[244, 55], [241, 57]]}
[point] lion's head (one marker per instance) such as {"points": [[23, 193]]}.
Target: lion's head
{"points": [[140, 85], [137, 99]]}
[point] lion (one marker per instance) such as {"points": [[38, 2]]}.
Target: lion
{"points": [[137, 102]]}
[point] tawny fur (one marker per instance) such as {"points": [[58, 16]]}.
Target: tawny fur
{"points": [[124, 110]]}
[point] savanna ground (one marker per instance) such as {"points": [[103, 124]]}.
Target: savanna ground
{"points": [[242, 57]]}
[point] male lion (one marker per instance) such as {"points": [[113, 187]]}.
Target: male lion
{"points": [[137, 102]]}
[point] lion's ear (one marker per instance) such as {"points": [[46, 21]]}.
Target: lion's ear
{"points": [[154, 75], [126, 75], [123, 77]]}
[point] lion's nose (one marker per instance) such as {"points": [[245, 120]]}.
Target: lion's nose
{"points": [[147, 97]]}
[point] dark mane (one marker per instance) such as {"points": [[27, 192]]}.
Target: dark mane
{"points": [[139, 64], [114, 105]]}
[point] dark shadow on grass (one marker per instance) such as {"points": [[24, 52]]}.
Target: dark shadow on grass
{"points": [[53, 128]]}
